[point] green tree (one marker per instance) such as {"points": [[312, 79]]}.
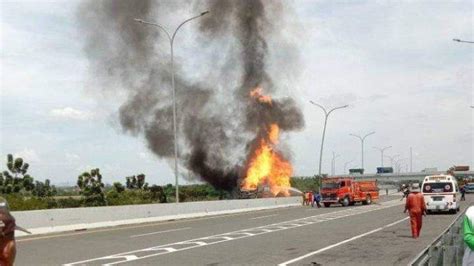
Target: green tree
{"points": [[136, 182], [158, 194], [44, 189], [140, 181], [15, 178], [92, 188], [305, 183], [119, 187]]}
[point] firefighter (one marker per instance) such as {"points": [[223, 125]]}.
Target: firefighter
{"points": [[307, 198], [416, 208], [317, 199], [311, 198], [7, 235]]}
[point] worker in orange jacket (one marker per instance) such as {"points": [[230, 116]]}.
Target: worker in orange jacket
{"points": [[415, 205]]}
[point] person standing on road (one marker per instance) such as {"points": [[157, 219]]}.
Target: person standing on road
{"points": [[416, 207], [405, 191], [7, 235], [317, 199], [468, 229], [306, 198], [463, 193]]}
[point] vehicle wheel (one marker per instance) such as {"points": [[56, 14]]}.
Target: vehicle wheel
{"points": [[326, 205], [453, 211], [368, 200], [352, 203], [345, 202], [429, 212]]}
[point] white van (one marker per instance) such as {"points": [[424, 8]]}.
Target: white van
{"points": [[440, 193]]}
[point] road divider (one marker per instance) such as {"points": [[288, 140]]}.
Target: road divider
{"points": [[80, 219]]}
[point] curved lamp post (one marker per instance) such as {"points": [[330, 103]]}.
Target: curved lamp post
{"points": [[362, 140], [458, 40], [171, 39], [381, 152], [326, 115]]}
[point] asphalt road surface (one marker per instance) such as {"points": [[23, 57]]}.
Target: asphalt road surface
{"points": [[376, 234]]}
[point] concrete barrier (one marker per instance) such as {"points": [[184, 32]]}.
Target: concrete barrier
{"points": [[74, 219]]}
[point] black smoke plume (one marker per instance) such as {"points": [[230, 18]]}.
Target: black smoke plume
{"points": [[218, 121]]}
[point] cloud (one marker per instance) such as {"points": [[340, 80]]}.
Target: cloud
{"points": [[70, 113], [72, 157], [28, 155]]}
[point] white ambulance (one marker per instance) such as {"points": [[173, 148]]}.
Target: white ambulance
{"points": [[441, 193]]}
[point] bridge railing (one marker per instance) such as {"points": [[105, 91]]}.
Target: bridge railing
{"points": [[446, 249]]}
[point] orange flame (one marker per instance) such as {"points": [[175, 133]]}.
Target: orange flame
{"points": [[257, 93], [266, 165]]}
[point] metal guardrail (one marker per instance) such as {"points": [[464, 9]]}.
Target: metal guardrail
{"points": [[405, 176], [446, 249]]}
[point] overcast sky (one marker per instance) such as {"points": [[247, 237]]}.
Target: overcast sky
{"points": [[393, 62]]}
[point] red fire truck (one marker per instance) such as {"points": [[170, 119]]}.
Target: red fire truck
{"points": [[348, 191]]}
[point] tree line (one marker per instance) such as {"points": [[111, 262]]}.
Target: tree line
{"points": [[23, 192]]}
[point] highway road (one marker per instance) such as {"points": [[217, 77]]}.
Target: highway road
{"points": [[377, 234]]}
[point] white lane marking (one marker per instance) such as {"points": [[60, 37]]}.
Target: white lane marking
{"points": [[261, 217], [160, 232], [239, 234], [341, 243]]}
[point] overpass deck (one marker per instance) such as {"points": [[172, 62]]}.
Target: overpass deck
{"points": [[369, 235]]}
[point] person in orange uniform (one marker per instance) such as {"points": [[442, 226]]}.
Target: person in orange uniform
{"points": [[415, 205], [7, 235]]}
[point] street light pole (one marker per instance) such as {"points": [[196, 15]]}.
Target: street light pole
{"points": [[333, 163], [398, 165], [326, 115], [392, 158], [458, 40], [345, 165], [171, 40], [362, 139], [381, 152]]}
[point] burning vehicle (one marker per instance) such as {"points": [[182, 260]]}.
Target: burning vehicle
{"points": [[260, 191], [227, 126], [267, 166]]}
